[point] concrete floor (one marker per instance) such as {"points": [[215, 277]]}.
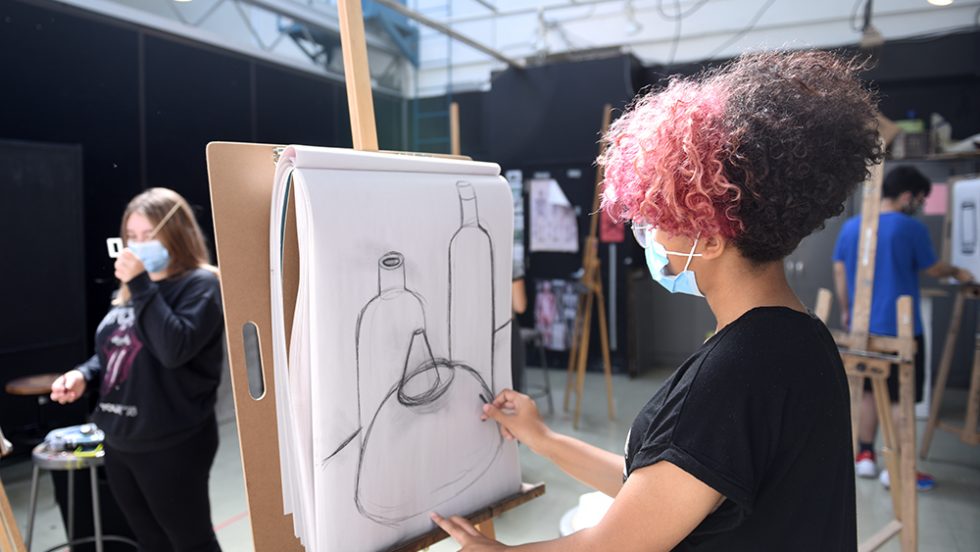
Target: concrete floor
{"points": [[948, 515]]}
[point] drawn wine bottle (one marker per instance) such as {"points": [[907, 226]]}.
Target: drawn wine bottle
{"points": [[384, 332], [433, 396], [471, 290]]}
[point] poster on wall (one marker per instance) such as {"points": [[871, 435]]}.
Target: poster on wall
{"points": [[399, 334], [515, 178], [555, 305], [554, 226]]}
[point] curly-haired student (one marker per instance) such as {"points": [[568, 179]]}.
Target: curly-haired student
{"points": [[747, 446]]}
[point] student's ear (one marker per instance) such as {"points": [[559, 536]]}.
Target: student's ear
{"points": [[714, 246]]}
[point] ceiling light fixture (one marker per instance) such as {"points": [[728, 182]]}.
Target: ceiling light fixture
{"points": [[940, 2], [870, 36]]}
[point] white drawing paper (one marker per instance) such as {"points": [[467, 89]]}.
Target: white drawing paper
{"points": [[965, 213], [400, 324], [554, 226]]}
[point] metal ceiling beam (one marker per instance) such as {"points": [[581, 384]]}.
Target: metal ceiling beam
{"points": [[487, 5], [529, 10], [442, 28], [316, 18]]}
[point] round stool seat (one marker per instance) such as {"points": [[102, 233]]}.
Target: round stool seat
{"points": [[59, 460], [39, 384]]}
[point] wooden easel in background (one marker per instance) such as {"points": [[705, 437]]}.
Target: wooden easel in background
{"points": [[968, 431], [241, 178], [967, 292], [591, 295], [871, 356], [10, 537]]}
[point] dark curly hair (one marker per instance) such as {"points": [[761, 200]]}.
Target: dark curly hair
{"points": [[905, 178], [762, 150]]}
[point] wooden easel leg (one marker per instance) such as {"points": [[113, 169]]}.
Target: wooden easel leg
{"points": [[890, 450], [604, 340], [906, 444], [487, 529], [969, 433], [906, 430], [573, 351], [10, 538], [856, 386], [822, 308], [583, 355], [943, 376]]}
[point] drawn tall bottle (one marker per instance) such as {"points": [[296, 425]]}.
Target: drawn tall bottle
{"points": [[471, 291], [385, 329]]}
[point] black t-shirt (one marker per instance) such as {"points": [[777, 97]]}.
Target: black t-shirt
{"points": [[158, 361], [760, 413]]}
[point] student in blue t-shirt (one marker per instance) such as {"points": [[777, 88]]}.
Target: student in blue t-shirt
{"points": [[904, 251]]}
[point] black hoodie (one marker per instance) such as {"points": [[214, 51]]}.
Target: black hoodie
{"points": [[158, 361]]}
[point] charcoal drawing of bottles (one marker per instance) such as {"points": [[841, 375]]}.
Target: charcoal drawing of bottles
{"points": [[471, 292], [422, 442]]}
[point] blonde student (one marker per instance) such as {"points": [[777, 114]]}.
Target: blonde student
{"points": [[159, 353]]}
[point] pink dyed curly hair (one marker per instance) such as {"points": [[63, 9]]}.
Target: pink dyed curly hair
{"points": [[665, 162]]}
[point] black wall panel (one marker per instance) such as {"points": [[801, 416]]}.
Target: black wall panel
{"points": [[73, 80], [193, 97], [292, 109], [551, 114]]}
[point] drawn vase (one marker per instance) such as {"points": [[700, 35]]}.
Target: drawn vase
{"points": [[471, 289], [438, 402], [384, 333]]}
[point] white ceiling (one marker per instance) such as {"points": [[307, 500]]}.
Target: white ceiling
{"points": [[656, 31]]}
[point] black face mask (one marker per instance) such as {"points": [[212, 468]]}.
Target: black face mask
{"points": [[913, 207]]}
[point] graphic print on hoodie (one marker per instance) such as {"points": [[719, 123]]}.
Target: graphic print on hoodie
{"points": [[121, 348]]}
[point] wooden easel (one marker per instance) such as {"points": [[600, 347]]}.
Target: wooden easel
{"points": [[969, 292], [10, 537], [591, 282], [871, 356], [241, 178], [968, 431]]}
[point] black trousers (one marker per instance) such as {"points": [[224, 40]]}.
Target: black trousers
{"points": [[164, 493], [920, 373]]}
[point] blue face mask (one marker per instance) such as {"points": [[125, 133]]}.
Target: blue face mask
{"points": [[657, 262], [152, 254]]}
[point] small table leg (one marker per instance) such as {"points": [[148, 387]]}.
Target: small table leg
{"points": [[96, 513], [30, 519], [71, 505]]}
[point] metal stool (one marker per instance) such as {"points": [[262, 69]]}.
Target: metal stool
{"points": [[533, 336], [38, 386], [47, 459]]}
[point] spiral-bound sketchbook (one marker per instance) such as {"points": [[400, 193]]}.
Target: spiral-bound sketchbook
{"points": [[399, 333]]}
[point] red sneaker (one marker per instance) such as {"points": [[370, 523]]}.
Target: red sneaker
{"points": [[865, 465]]}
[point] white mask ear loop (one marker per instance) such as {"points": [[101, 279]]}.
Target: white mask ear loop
{"points": [[691, 255]]}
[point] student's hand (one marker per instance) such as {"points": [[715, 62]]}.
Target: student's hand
{"points": [[518, 418], [128, 266], [466, 534], [963, 276], [68, 387]]}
